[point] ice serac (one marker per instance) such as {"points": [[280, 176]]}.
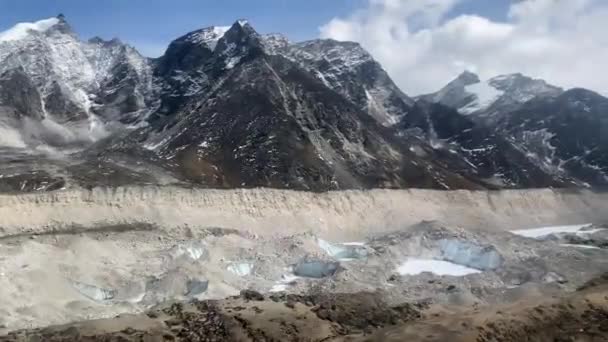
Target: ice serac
{"points": [[343, 252], [470, 255], [316, 269]]}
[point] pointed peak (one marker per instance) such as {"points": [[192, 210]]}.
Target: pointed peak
{"points": [[208, 36], [61, 26], [241, 32], [467, 77], [244, 26], [100, 41], [96, 40]]}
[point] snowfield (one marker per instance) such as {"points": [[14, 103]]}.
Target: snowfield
{"points": [[542, 232], [439, 267], [485, 96]]}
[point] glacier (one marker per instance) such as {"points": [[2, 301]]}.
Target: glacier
{"points": [[470, 255], [415, 266]]}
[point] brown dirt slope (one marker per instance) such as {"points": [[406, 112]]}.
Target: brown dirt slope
{"points": [[580, 316]]}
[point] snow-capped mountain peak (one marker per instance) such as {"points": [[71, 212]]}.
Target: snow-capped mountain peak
{"points": [[522, 88], [484, 94], [208, 36], [22, 30], [79, 84], [465, 78], [470, 95]]}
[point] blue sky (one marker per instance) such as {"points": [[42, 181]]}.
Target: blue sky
{"points": [[151, 24]]}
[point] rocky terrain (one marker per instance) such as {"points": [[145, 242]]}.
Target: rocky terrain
{"points": [[513, 288], [244, 187], [104, 253], [581, 316], [228, 107], [560, 131]]}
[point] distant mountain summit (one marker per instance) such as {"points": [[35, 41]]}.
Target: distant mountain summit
{"points": [[562, 132], [469, 95], [228, 107], [77, 88]]}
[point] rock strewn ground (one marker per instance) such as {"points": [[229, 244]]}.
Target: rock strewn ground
{"points": [[580, 316]]}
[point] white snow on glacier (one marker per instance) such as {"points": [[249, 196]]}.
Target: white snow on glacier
{"points": [[543, 232], [416, 266]]}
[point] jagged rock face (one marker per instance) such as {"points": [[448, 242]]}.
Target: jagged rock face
{"points": [[127, 90], [286, 129], [492, 98], [193, 64], [558, 132], [307, 117], [19, 96], [454, 94], [60, 106], [77, 82], [351, 71], [228, 107], [565, 135], [472, 149]]}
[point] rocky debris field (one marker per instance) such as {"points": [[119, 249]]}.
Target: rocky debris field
{"points": [[107, 271], [364, 316], [278, 265]]}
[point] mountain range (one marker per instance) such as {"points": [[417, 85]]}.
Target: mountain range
{"points": [[227, 107]]}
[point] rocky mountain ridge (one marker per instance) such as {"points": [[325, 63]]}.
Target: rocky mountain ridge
{"points": [[228, 107], [561, 131]]}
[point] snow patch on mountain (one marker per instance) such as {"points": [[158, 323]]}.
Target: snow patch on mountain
{"points": [[469, 95], [208, 36], [22, 30], [485, 96], [415, 266], [543, 232]]}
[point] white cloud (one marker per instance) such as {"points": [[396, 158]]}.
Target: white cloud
{"points": [[561, 41]]}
